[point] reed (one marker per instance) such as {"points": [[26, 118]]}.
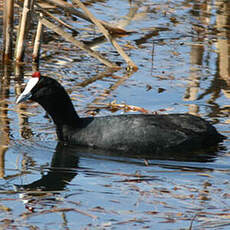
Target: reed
{"points": [[37, 42], [8, 19], [81, 45], [105, 32], [31, 8], [23, 29]]}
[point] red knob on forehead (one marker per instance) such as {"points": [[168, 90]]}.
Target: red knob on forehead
{"points": [[36, 74]]}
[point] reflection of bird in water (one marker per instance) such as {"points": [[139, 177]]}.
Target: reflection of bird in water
{"points": [[46, 192], [62, 171], [65, 161]]}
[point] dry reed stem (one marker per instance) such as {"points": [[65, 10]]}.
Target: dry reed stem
{"points": [[70, 8], [37, 42], [44, 11], [22, 30], [8, 29], [77, 43], [106, 34]]}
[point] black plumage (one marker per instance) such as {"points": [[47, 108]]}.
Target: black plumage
{"points": [[132, 133]]}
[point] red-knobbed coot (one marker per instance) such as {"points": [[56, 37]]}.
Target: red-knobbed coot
{"points": [[133, 133]]}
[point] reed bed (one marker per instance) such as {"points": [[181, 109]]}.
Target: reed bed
{"points": [[40, 14]]}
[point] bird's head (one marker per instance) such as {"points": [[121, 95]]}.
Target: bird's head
{"points": [[38, 87]]}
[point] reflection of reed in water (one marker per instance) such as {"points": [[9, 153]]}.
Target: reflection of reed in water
{"points": [[221, 80], [4, 120], [193, 87], [223, 43], [223, 46], [24, 129], [5, 132], [196, 57]]}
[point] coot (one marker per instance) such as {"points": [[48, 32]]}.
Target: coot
{"points": [[131, 133]]}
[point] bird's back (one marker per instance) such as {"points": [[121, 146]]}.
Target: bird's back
{"points": [[141, 133]]}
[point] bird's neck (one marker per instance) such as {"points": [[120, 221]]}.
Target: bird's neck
{"points": [[61, 109]]}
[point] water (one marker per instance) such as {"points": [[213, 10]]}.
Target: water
{"points": [[182, 51]]}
